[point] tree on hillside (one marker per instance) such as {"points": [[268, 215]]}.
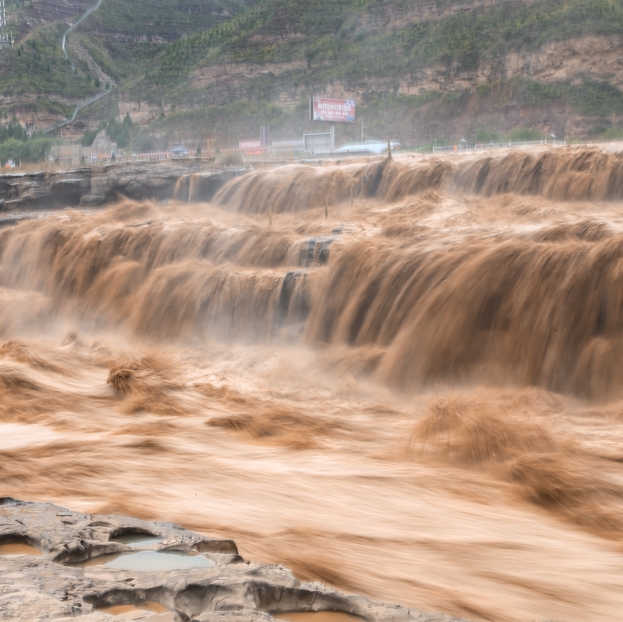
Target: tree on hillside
{"points": [[88, 138], [9, 150]]}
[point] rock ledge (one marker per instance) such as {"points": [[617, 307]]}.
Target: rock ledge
{"points": [[49, 587]]}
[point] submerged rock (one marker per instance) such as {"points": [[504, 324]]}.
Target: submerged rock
{"points": [[52, 587]]}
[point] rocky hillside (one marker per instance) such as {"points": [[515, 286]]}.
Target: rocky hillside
{"points": [[420, 70], [115, 43]]}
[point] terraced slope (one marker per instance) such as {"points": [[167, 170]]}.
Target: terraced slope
{"points": [[419, 69], [114, 43]]}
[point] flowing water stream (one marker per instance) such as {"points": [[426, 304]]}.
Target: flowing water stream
{"points": [[418, 398]]}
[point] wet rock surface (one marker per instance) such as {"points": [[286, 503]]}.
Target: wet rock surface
{"points": [[97, 185], [51, 587]]}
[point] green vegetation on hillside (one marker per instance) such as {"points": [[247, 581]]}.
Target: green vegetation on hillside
{"points": [[349, 43], [332, 40], [15, 144], [131, 35], [39, 67], [463, 40], [164, 19], [157, 49], [412, 119], [129, 38]]}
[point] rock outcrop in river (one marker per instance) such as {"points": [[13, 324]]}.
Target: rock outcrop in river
{"points": [[60, 565]]}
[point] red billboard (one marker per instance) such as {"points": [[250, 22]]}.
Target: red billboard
{"points": [[248, 145], [333, 110]]}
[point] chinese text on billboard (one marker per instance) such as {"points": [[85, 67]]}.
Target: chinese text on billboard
{"points": [[249, 144], [334, 110]]}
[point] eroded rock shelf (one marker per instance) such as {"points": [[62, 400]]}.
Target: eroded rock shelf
{"points": [[90, 187], [57, 585]]}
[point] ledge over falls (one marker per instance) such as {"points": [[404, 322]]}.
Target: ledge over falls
{"points": [[93, 186]]}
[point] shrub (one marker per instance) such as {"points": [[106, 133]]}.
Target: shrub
{"points": [[486, 136], [524, 134], [611, 133], [9, 149], [88, 138]]}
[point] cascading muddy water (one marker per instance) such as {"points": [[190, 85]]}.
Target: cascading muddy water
{"points": [[542, 310], [536, 307], [160, 279], [441, 352]]}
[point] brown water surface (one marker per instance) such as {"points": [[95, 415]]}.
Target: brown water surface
{"points": [[118, 609], [317, 616], [143, 611], [418, 399], [18, 549]]}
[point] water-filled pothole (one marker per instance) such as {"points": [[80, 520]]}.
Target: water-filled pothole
{"points": [[150, 561], [317, 616], [142, 611], [18, 549], [138, 540]]}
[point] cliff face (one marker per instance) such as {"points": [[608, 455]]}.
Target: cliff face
{"points": [[600, 57], [422, 105], [418, 70], [44, 11], [117, 42]]}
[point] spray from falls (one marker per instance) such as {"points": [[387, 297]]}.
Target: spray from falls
{"points": [[442, 334], [537, 313], [538, 307], [559, 174], [161, 280]]}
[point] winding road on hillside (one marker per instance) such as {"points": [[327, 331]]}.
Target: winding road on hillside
{"points": [[91, 99]]}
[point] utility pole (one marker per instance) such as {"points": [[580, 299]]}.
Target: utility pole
{"points": [[4, 42]]}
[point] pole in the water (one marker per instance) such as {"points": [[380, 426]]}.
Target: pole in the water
{"points": [[389, 150], [270, 216]]}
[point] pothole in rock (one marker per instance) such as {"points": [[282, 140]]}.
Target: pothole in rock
{"points": [[149, 561], [155, 612], [18, 549], [317, 616], [137, 540]]}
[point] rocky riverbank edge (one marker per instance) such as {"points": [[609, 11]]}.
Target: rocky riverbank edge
{"points": [[94, 186], [50, 586]]}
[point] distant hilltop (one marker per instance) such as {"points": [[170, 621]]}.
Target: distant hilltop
{"points": [[419, 72]]}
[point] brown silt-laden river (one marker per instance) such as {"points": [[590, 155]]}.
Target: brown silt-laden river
{"points": [[418, 398]]}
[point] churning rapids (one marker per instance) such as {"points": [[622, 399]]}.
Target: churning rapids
{"points": [[418, 398]]}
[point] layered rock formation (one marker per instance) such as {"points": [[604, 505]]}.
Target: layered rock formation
{"points": [[41, 545], [95, 186]]}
